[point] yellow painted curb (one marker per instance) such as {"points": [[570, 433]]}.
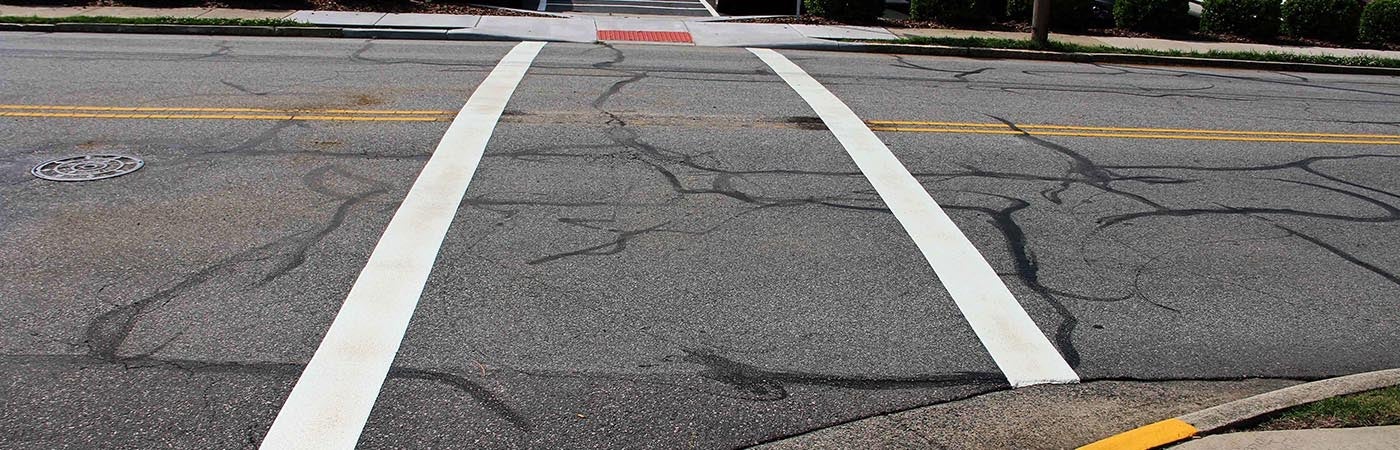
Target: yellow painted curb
{"points": [[1146, 436]]}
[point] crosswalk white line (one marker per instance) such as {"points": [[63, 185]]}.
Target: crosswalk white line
{"points": [[667, 2], [1020, 349], [711, 9], [619, 5], [334, 395]]}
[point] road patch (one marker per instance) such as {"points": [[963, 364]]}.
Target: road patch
{"points": [[1173, 430], [1014, 341], [335, 393]]}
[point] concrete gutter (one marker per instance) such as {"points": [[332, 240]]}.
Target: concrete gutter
{"points": [[221, 30], [1202, 422], [822, 45], [1106, 58]]}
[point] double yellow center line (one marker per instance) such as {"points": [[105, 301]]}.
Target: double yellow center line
{"points": [[901, 126], [151, 112], [906, 126]]}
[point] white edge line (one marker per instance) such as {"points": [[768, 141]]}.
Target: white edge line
{"points": [[332, 399], [1016, 344], [669, 2], [615, 5], [709, 8], [544, 4]]}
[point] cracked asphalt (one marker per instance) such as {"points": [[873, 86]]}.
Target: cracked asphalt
{"points": [[662, 246]]}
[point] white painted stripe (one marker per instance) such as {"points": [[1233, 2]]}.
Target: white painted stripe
{"points": [[615, 5], [711, 9], [332, 400], [666, 2], [1017, 345], [544, 4]]}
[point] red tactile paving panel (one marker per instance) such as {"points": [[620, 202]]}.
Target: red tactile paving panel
{"points": [[644, 36]]}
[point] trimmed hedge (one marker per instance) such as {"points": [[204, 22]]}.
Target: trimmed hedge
{"points": [[956, 11], [1064, 14], [1149, 15], [1253, 18], [857, 10], [1333, 20], [1380, 21]]}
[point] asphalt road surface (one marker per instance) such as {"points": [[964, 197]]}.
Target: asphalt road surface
{"points": [[662, 246]]}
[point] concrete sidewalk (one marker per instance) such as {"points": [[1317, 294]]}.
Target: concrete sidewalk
{"points": [[1366, 438], [700, 31], [126, 11]]}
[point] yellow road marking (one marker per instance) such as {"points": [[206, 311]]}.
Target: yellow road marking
{"points": [[944, 124], [944, 130], [227, 110], [1029, 127], [1187, 137], [229, 116], [1146, 437], [905, 126], [1182, 130]]}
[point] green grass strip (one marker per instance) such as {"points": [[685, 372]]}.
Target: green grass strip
{"points": [[1065, 47], [1364, 409], [153, 21]]}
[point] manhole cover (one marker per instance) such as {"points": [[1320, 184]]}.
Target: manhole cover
{"points": [[87, 167]]}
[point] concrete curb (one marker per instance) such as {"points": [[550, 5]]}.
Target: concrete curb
{"points": [[222, 30], [1205, 421], [1108, 58], [395, 33], [864, 47]]}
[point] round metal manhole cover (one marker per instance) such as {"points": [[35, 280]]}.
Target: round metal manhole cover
{"points": [[87, 167]]}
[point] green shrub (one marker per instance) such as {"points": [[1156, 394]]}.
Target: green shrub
{"points": [[1253, 18], [1064, 14], [856, 10], [952, 11], [1333, 20], [1380, 21], [1149, 15]]}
